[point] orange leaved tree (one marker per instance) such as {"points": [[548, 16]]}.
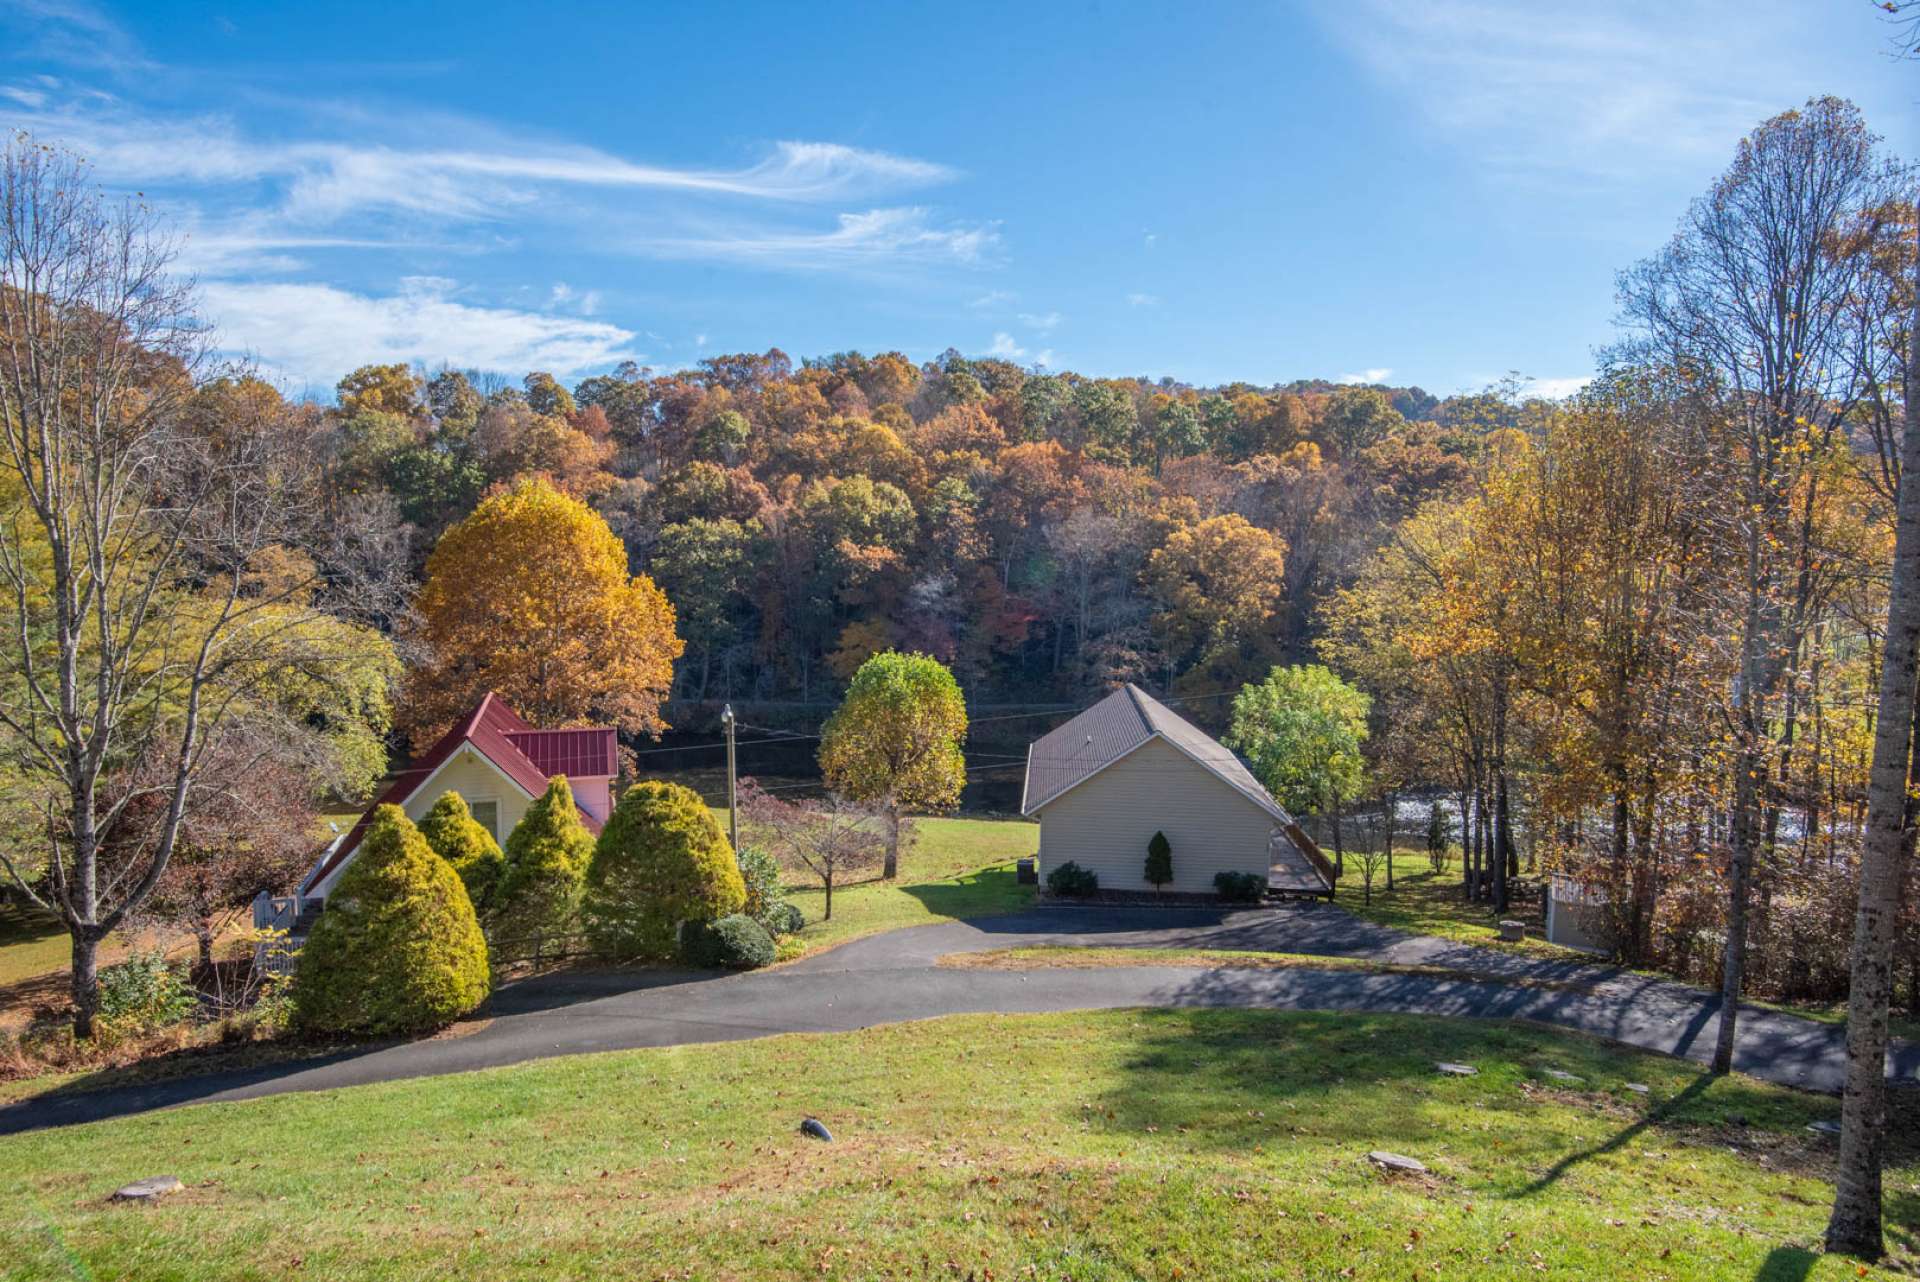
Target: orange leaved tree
{"points": [[530, 597]]}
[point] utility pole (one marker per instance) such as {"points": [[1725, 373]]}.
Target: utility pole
{"points": [[733, 804]]}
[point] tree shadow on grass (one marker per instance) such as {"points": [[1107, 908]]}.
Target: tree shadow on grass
{"points": [[1665, 1111], [1787, 1264], [974, 894]]}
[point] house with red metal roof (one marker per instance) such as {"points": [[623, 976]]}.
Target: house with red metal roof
{"points": [[498, 764]]}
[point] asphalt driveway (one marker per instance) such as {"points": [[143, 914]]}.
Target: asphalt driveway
{"points": [[893, 977]]}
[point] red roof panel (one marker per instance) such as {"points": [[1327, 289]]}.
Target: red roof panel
{"points": [[498, 733]]}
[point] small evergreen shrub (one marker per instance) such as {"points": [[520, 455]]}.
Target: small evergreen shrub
{"points": [[1159, 860], [1072, 881], [546, 864], [398, 949], [735, 941], [145, 991], [463, 841], [1240, 887], [660, 861], [784, 918], [761, 877]]}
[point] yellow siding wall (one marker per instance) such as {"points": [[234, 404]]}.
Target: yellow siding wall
{"points": [[1104, 824], [475, 779]]}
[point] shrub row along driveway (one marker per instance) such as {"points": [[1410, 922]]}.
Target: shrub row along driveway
{"points": [[892, 977]]}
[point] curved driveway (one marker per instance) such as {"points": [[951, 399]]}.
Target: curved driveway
{"points": [[892, 977]]}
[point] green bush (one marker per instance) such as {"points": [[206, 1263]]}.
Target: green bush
{"points": [[546, 863], [766, 895], [145, 991], [761, 877], [1072, 881], [736, 941], [1159, 860], [398, 949], [784, 918], [661, 861], [463, 841], [1240, 887]]}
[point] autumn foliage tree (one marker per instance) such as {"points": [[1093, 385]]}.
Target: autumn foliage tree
{"points": [[530, 597], [1220, 585]]}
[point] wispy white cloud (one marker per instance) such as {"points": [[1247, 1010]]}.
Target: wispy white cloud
{"points": [[1555, 389], [1143, 300], [1377, 374], [1005, 347], [1588, 89], [876, 236], [320, 332], [327, 180], [993, 298], [1045, 322]]}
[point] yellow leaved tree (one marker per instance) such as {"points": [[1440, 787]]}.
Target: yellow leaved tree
{"points": [[530, 597]]}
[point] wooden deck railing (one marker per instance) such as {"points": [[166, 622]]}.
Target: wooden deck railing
{"points": [[1305, 844]]}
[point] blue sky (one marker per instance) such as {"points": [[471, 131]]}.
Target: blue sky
{"points": [[1406, 190]]}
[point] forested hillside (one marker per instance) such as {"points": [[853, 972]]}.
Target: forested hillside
{"points": [[1045, 534]]}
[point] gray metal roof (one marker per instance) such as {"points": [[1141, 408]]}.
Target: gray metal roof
{"points": [[1115, 727]]}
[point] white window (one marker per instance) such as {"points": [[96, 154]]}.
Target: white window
{"points": [[488, 814]]}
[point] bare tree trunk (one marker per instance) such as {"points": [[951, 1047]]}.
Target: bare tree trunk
{"points": [[1855, 1227], [891, 869], [85, 983], [1393, 812], [829, 880]]}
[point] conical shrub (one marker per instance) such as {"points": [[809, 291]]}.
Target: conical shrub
{"points": [[398, 949], [547, 855], [660, 861], [464, 842]]}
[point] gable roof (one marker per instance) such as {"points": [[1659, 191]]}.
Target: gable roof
{"points": [[527, 756], [1115, 727]]}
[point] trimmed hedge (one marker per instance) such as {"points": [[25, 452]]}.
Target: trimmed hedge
{"points": [[398, 949], [1072, 881], [661, 860], [1240, 887], [735, 941], [460, 839], [546, 862]]}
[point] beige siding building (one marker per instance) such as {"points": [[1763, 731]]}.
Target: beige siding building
{"points": [[1106, 781]]}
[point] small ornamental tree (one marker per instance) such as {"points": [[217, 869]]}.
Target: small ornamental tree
{"points": [[1159, 860], [398, 949], [831, 838], [464, 842], [894, 742], [661, 860], [546, 861], [1439, 836]]}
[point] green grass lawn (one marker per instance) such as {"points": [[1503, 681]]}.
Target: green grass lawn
{"points": [[958, 868], [31, 943], [1112, 1145], [1424, 902]]}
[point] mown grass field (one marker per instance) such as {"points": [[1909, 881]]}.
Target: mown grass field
{"points": [[958, 868], [31, 943], [1149, 1144]]}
